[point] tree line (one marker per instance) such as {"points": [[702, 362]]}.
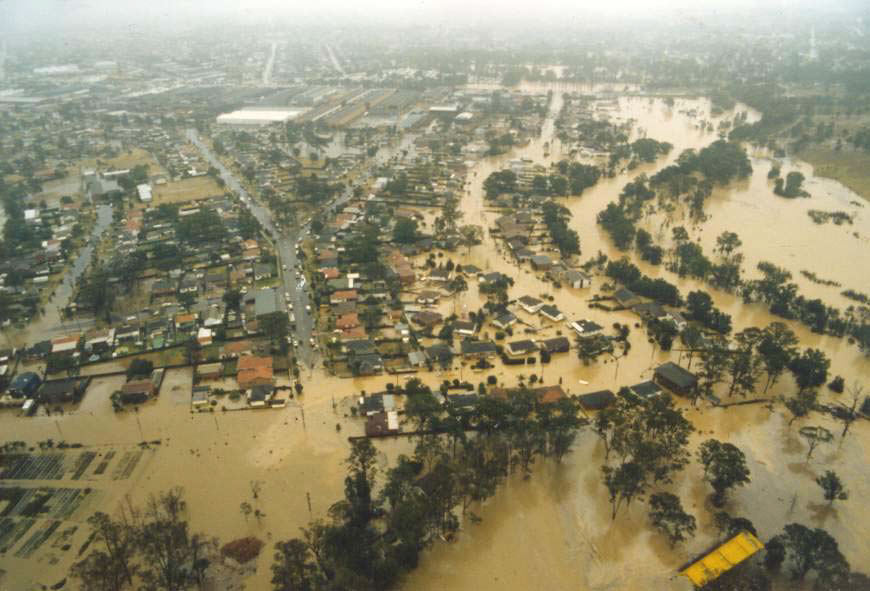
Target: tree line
{"points": [[368, 540]]}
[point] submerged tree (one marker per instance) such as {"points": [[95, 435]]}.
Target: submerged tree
{"points": [[724, 468], [808, 550], [625, 483], [801, 404], [832, 486], [667, 515], [814, 436]]}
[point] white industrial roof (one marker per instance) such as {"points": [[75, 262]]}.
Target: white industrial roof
{"points": [[259, 116]]}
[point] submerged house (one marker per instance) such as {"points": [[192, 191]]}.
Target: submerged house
{"points": [[675, 378]]}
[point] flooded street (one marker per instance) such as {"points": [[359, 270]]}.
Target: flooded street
{"points": [[50, 323], [553, 531]]}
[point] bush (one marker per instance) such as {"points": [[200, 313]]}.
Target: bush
{"points": [[242, 550], [837, 385]]}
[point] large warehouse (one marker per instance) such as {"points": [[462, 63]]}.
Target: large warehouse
{"points": [[259, 116]]}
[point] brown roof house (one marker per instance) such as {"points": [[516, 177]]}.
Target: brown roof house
{"points": [[137, 391], [254, 371]]}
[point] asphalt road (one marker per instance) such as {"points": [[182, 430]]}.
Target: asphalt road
{"points": [[285, 245], [286, 239]]}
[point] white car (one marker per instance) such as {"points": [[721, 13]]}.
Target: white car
{"points": [[284, 267], [308, 308], [311, 341], [286, 295]]}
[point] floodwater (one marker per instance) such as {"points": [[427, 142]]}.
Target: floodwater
{"points": [[553, 531]]}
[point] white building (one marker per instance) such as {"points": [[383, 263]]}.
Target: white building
{"points": [[144, 191]]}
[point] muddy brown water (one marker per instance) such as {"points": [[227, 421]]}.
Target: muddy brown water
{"points": [[553, 531]]}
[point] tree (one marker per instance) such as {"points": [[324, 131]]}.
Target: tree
{"points": [[730, 526], [294, 568], [138, 368], [832, 487], [405, 231], [793, 185], [165, 543], [743, 364], [421, 407], [801, 404], [812, 549], [848, 413], [714, 364], [98, 572], [560, 424], [724, 467], [524, 430], [118, 540], [814, 436], [667, 515], [776, 348], [624, 483], [233, 299], [810, 369]]}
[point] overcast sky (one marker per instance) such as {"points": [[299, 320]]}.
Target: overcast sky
{"points": [[27, 15]]}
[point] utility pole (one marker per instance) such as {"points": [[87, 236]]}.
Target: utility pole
{"points": [[308, 498]]}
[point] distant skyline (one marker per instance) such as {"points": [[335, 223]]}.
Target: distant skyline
{"points": [[21, 16]]}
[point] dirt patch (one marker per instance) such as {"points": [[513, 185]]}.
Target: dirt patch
{"points": [[192, 189]]}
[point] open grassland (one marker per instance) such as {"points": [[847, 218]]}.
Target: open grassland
{"points": [[850, 167]]}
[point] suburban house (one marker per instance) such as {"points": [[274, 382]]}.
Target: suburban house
{"points": [[645, 390], [199, 396], [235, 349], [577, 279], [24, 385], [382, 424], [504, 320], [439, 353], [464, 328], [675, 378], [426, 318], [441, 275], [66, 390], [376, 403], [530, 304], [260, 395], [597, 400], [338, 297], [544, 394], [253, 371], [363, 358], [586, 328], [556, 345], [551, 313], [625, 298], [137, 391], [519, 349], [209, 371], [428, 297], [541, 262], [494, 277], [477, 349]]}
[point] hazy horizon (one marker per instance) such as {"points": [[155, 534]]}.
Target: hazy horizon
{"points": [[22, 16]]}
